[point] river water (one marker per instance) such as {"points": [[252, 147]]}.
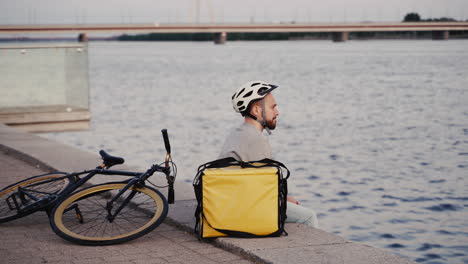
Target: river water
{"points": [[374, 132]]}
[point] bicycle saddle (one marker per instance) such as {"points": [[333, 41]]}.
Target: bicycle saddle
{"points": [[109, 160]]}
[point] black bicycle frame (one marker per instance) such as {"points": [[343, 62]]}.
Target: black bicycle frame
{"points": [[92, 173], [138, 180]]}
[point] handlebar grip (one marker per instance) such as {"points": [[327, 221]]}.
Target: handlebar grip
{"points": [[170, 194], [166, 141]]}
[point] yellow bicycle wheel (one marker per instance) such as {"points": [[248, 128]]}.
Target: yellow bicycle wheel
{"points": [[83, 217]]}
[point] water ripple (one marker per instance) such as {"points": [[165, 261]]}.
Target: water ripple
{"points": [[444, 207], [404, 221], [351, 208], [389, 236], [415, 199], [437, 181], [396, 245], [458, 198], [313, 177], [427, 246]]}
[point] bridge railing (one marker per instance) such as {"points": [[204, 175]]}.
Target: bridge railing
{"points": [[234, 27]]}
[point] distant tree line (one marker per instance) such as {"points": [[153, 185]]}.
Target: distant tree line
{"points": [[415, 17]]}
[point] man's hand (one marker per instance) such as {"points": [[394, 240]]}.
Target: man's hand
{"points": [[292, 200]]}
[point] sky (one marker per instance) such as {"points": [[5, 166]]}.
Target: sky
{"points": [[223, 11]]}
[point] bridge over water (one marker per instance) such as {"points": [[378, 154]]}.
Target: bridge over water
{"points": [[440, 30]]}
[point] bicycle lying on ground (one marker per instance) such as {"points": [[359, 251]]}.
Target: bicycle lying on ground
{"points": [[102, 214]]}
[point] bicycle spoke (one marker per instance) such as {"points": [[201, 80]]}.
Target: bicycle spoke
{"points": [[144, 211], [127, 219], [87, 228], [39, 192]]}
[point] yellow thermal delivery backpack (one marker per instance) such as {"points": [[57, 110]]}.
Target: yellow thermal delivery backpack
{"points": [[241, 199]]}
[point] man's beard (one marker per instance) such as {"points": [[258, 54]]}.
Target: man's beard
{"points": [[271, 124]]}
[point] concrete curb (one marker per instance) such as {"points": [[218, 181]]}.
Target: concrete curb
{"points": [[26, 158]]}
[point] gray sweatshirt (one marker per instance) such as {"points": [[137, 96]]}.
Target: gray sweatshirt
{"points": [[246, 143]]}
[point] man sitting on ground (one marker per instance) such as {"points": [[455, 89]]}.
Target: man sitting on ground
{"points": [[257, 105]]}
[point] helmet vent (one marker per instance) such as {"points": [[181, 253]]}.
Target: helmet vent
{"points": [[254, 84], [248, 94], [240, 92], [262, 90], [240, 103]]}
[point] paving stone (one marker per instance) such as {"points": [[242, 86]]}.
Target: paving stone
{"points": [[57, 258], [223, 256], [22, 261], [182, 212], [165, 227], [202, 248], [190, 257], [14, 257], [88, 261], [205, 250], [179, 236], [121, 262], [238, 261], [150, 261], [168, 252]]}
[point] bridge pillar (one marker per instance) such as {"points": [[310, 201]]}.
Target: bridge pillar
{"points": [[340, 36], [220, 38], [440, 35], [82, 37]]}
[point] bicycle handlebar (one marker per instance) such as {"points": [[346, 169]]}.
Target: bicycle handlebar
{"points": [[170, 178], [166, 141], [109, 161]]}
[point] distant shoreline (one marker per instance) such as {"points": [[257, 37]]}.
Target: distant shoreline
{"points": [[285, 36], [410, 35]]}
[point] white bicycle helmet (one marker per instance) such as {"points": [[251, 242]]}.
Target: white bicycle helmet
{"points": [[249, 92]]}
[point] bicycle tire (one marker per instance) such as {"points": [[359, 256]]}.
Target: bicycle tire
{"points": [[89, 224], [41, 185]]}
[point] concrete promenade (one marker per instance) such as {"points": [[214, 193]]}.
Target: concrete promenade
{"points": [[31, 240]]}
